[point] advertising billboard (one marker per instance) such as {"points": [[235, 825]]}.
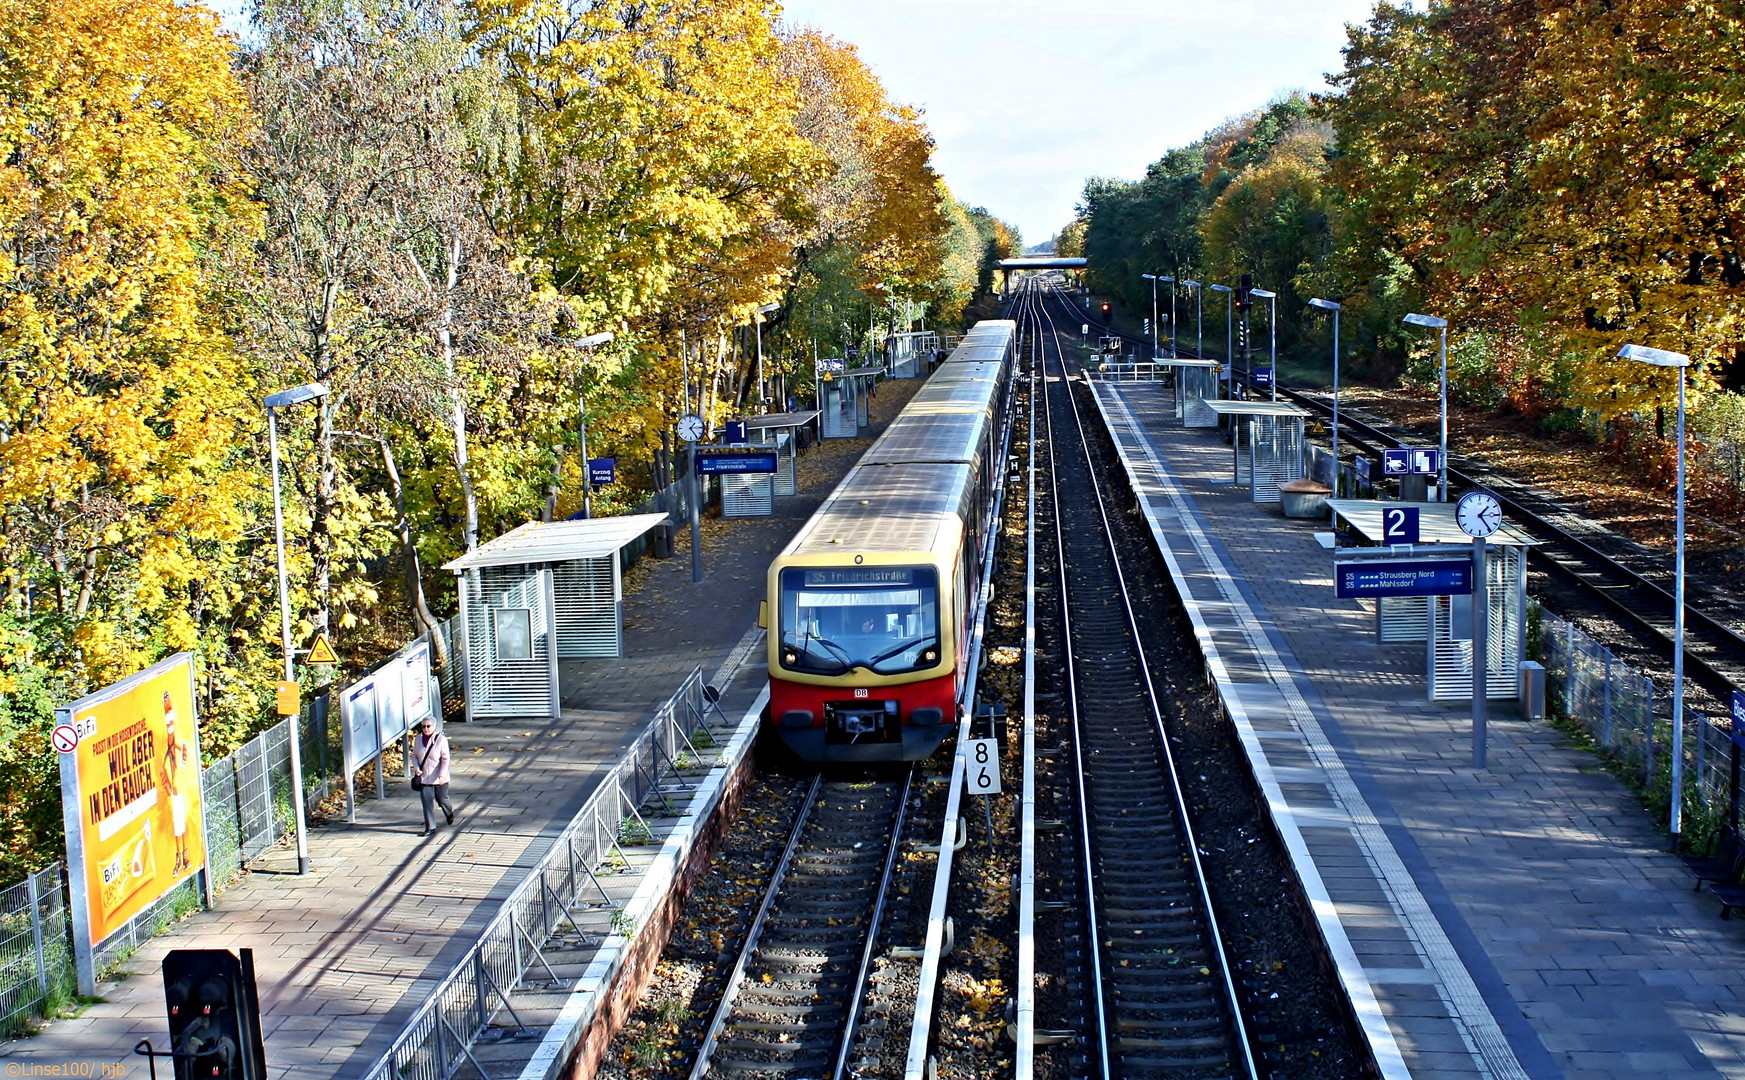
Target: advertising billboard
{"points": [[130, 783]]}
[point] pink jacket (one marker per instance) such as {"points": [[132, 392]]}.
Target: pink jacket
{"points": [[434, 757]]}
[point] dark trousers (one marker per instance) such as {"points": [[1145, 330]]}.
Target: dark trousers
{"points": [[435, 795]]}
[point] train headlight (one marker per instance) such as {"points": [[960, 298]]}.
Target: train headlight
{"points": [[790, 657], [930, 655]]}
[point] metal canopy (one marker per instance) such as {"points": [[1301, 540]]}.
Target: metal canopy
{"points": [[863, 372], [1185, 362], [778, 420], [558, 541], [1255, 408], [1042, 262], [1436, 524]]}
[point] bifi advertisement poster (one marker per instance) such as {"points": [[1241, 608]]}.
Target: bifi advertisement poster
{"points": [[130, 782]]}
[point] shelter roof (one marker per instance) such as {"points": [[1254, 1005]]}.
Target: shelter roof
{"points": [[1436, 524], [557, 541], [1255, 408], [779, 420], [1042, 262]]}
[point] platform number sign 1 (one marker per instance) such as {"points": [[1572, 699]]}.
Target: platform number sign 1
{"points": [[1399, 525], [983, 777]]}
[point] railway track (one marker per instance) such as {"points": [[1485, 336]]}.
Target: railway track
{"points": [[792, 1006], [1159, 994], [1619, 577]]}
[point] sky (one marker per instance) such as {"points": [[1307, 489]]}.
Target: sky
{"points": [[1026, 99]]}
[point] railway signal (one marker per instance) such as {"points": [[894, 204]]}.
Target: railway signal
{"points": [[215, 1015], [1105, 309]]}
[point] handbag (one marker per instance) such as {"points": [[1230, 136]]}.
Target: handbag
{"points": [[417, 778]]}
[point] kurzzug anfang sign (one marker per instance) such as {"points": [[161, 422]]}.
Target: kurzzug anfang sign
{"points": [[130, 794]]}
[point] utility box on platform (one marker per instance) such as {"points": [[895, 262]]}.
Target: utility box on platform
{"points": [[1532, 690]]}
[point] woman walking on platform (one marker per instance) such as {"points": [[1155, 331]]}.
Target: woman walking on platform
{"points": [[430, 777]]}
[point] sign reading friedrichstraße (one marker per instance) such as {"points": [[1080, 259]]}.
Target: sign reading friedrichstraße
{"points": [[130, 796]]}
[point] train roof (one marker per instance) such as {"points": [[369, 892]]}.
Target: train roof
{"points": [[986, 341], [915, 506], [954, 435]]}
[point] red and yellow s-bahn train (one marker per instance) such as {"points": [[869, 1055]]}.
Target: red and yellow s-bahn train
{"points": [[871, 605]]}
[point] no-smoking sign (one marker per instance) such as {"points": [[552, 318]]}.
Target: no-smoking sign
{"points": [[65, 739]]}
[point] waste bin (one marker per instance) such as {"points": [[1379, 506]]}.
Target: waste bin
{"points": [[1532, 690]]}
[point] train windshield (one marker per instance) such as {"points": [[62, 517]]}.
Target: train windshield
{"points": [[884, 619]]}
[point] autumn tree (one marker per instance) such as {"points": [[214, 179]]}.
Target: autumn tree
{"points": [[125, 416]]}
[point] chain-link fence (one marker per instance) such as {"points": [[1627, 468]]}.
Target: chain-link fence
{"points": [[36, 955], [1626, 715], [248, 800]]}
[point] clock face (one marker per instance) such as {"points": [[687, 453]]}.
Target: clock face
{"points": [[690, 427], [1479, 513]]}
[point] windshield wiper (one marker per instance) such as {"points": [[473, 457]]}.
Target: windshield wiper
{"points": [[901, 646]]}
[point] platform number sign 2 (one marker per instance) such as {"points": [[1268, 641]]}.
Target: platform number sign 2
{"points": [[984, 766], [1399, 525]]}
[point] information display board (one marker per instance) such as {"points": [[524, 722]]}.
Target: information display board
{"points": [[708, 464], [1424, 577], [382, 707], [130, 796]]}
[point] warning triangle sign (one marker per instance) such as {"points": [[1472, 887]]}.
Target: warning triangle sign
{"points": [[321, 651]]}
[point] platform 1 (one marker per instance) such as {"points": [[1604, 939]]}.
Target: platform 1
{"points": [[1526, 920], [345, 954]]}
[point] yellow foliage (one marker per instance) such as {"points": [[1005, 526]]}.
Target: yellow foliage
{"points": [[122, 398]]}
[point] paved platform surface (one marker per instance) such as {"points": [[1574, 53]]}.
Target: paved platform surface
{"points": [[1523, 920], [347, 952]]}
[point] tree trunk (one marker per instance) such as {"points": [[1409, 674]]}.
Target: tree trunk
{"points": [[414, 570]]}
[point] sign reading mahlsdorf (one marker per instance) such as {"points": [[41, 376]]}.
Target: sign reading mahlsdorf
{"points": [[1430, 577], [130, 792]]}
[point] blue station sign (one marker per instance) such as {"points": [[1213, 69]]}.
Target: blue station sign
{"points": [[735, 433], [713, 463], [1419, 577], [1739, 718], [1260, 376], [602, 471]]}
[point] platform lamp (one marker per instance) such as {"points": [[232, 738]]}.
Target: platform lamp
{"points": [[757, 327], [1271, 299], [1664, 359], [1329, 305], [1431, 322], [1199, 320], [284, 399], [1170, 281], [1229, 337], [1153, 279], [592, 341]]}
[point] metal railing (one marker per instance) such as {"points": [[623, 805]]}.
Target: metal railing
{"points": [[440, 1035], [1131, 371], [1623, 712], [36, 953]]}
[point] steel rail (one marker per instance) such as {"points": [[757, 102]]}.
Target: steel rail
{"points": [[1232, 1000], [915, 1063], [1024, 1031], [857, 995], [724, 1007]]}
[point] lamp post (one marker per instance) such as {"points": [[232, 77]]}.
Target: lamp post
{"points": [[1170, 281], [757, 326], [1662, 358], [1329, 305], [1229, 338], [1153, 279], [1199, 321], [1271, 299], [282, 400], [1431, 322], [590, 342]]}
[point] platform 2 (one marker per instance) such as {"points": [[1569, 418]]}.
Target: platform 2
{"points": [[1521, 921], [347, 953]]}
